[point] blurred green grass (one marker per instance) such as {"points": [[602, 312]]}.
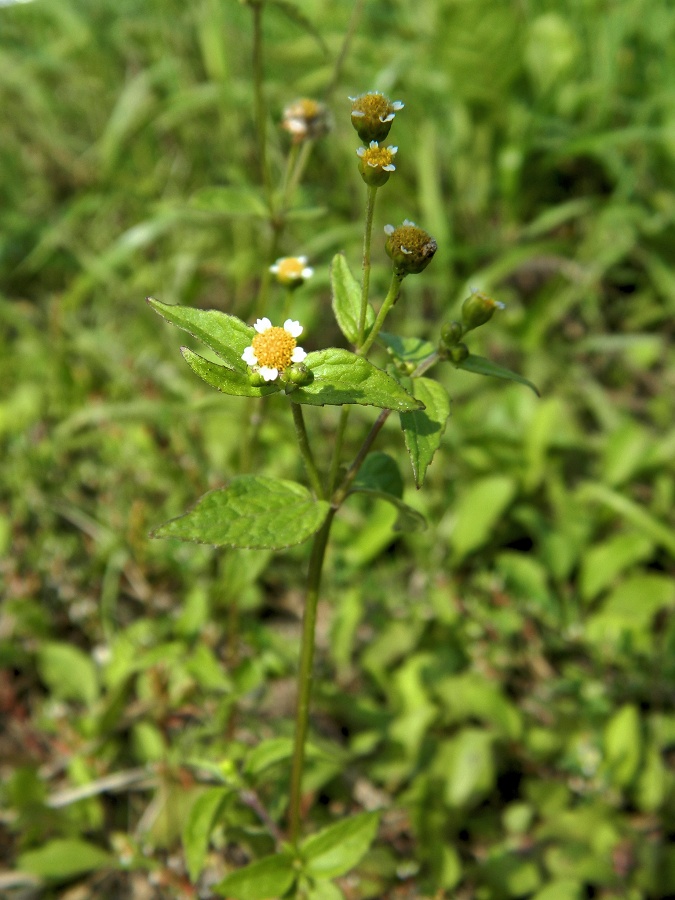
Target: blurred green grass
{"points": [[506, 679]]}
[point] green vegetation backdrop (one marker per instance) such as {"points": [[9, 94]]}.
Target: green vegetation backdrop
{"points": [[502, 686]]}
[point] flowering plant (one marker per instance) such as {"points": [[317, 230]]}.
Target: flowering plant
{"points": [[259, 511]]}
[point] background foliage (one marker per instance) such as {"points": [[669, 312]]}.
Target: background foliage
{"points": [[501, 686]]}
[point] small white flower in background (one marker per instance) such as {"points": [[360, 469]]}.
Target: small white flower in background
{"points": [[274, 349], [291, 271]]}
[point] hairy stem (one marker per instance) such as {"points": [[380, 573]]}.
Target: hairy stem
{"points": [[305, 674], [306, 450], [389, 300]]}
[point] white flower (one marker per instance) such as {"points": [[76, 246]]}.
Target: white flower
{"points": [[274, 349]]}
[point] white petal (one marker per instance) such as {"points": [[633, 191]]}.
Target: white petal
{"points": [[397, 105], [409, 222], [298, 355], [274, 269], [389, 168], [293, 328], [262, 325], [357, 112], [393, 150], [389, 229], [360, 151], [374, 145], [268, 374], [307, 272], [387, 118], [249, 357], [301, 259]]}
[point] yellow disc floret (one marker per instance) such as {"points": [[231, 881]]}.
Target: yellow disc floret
{"points": [[274, 348]]}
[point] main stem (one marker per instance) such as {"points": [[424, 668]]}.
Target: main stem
{"points": [[305, 673]]}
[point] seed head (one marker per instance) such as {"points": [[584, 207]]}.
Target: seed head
{"points": [[372, 115], [410, 248]]}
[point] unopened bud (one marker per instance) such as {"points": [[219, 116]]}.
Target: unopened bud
{"points": [[298, 374], [451, 334], [458, 354], [410, 248], [478, 309], [256, 379]]}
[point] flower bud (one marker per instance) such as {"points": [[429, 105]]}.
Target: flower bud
{"points": [[410, 248], [298, 374], [376, 163], [372, 115], [458, 354], [451, 334], [306, 119], [256, 379], [478, 309]]}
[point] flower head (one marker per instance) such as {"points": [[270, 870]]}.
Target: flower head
{"points": [[372, 115], [306, 119], [411, 248], [274, 349], [376, 163], [291, 271]]}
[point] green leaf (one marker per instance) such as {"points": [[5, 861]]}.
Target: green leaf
{"points": [[225, 380], [623, 506], [343, 377], [423, 428], [254, 512], [408, 519], [337, 849], [466, 764], [230, 200], [478, 511], [266, 879], [623, 745], [410, 350], [347, 299], [226, 335], [481, 366], [380, 477], [380, 472], [68, 672], [64, 858], [198, 827], [267, 753]]}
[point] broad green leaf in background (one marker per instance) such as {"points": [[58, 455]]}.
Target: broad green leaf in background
{"points": [[266, 879], [68, 672], [466, 765], [337, 849], [478, 510], [64, 858], [423, 428], [325, 890], [481, 366], [347, 299], [409, 350], [561, 889], [623, 745], [198, 827], [343, 377], [630, 609], [226, 380], [226, 335], [623, 506], [603, 562], [253, 511]]}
